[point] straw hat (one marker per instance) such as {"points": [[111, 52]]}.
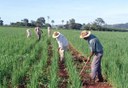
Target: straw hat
{"points": [[85, 34], [56, 34]]}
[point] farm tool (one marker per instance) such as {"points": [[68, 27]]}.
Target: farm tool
{"points": [[83, 67]]}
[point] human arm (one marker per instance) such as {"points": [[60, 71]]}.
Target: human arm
{"points": [[90, 56], [92, 48], [59, 44]]}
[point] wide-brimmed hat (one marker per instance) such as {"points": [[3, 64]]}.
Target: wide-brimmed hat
{"points": [[85, 34], [56, 34]]}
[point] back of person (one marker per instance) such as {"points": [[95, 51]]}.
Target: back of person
{"points": [[96, 51], [28, 33], [38, 32], [49, 31], [95, 44], [62, 41]]}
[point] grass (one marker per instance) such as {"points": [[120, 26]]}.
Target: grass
{"points": [[15, 47]]}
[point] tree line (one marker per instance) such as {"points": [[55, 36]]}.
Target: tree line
{"points": [[97, 25], [1, 22]]}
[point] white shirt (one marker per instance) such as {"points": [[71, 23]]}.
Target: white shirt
{"points": [[28, 32], [62, 41], [49, 28]]}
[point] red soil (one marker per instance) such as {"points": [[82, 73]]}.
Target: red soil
{"points": [[85, 77], [63, 74]]}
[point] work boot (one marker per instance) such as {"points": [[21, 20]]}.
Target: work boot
{"points": [[99, 80], [92, 82]]}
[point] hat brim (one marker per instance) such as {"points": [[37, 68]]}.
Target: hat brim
{"points": [[89, 33], [56, 36]]}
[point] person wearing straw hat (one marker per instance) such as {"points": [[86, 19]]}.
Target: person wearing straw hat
{"points": [[97, 53], [62, 44]]}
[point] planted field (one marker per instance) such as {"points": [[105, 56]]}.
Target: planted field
{"points": [[27, 63]]}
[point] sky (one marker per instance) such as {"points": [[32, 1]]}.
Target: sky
{"points": [[83, 11]]}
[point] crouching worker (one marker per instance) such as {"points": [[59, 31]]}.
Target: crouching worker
{"points": [[62, 44], [97, 53], [28, 33]]}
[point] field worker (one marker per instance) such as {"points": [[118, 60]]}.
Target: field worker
{"points": [[28, 33], [38, 32], [62, 44], [49, 31], [97, 53]]}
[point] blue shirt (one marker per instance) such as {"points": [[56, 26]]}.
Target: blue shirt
{"points": [[94, 44]]}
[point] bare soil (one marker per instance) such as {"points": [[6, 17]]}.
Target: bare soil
{"points": [[63, 74], [79, 60], [85, 76]]}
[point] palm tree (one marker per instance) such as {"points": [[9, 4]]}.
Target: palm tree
{"points": [[48, 18], [52, 21], [62, 22]]}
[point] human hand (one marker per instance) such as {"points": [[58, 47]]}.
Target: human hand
{"points": [[88, 60], [58, 49]]}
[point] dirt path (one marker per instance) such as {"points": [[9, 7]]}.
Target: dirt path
{"points": [[76, 54], [63, 74], [49, 60], [50, 52], [85, 78]]}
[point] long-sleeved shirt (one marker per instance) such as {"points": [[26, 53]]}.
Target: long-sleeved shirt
{"points": [[62, 41], [94, 44]]}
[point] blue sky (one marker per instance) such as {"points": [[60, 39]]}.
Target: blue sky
{"points": [[83, 11]]}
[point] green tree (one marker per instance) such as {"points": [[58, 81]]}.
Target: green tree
{"points": [[25, 21], [1, 22], [99, 21], [52, 21], [72, 21], [33, 23], [40, 21], [62, 22]]}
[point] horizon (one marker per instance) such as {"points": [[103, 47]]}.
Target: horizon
{"points": [[112, 12]]}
